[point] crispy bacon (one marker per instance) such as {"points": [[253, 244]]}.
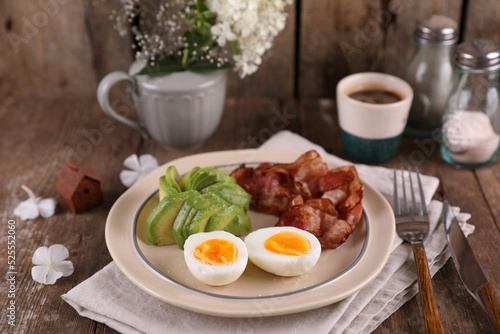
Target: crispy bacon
{"points": [[320, 217], [305, 172], [274, 187], [335, 178], [302, 216], [306, 195], [272, 191]]}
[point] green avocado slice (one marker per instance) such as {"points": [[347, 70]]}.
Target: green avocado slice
{"points": [[160, 221], [206, 176], [207, 205], [194, 215], [232, 219], [230, 192], [204, 199], [185, 214], [172, 177], [184, 181], [240, 224], [221, 219], [168, 182]]}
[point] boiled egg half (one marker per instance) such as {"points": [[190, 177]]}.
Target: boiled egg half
{"points": [[215, 258], [283, 251]]}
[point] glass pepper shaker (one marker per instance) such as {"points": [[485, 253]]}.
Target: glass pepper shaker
{"points": [[430, 73], [471, 121]]}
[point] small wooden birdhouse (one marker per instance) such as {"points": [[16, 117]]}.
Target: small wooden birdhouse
{"points": [[79, 187]]}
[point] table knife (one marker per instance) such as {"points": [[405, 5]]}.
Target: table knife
{"points": [[468, 268]]}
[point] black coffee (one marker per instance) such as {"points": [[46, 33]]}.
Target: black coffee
{"points": [[376, 96]]}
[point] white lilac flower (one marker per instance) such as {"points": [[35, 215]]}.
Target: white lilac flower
{"points": [[255, 23], [35, 206], [245, 67], [250, 25], [50, 264], [222, 32], [140, 167], [213, 5]]}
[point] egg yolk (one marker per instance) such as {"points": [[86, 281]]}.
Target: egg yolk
{"points": [[216, 252], [288, 243]]}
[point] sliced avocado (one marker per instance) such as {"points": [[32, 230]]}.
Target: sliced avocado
{"points": [[185, 179], [206, 176], [222, 218], [168, 182], [207, 205], [162, 191], [232, 219], [194, 210], [184, 215], [161, 219], [172, 177], [165, 188], [230, 192], [240, 224], [194, 175]]}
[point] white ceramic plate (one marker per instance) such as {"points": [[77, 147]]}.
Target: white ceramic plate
{"points": [[161, 271]]}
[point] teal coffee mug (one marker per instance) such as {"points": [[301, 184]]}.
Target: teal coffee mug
{"points": [[372, 109]]}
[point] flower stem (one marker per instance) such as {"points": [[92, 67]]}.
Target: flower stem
{"points": [[185, 57], [30, 193], [234, 47]]}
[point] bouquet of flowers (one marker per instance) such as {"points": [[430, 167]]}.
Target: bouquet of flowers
{"points": [[201, 35]]}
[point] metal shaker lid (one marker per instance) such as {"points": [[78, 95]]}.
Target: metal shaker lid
{"points": [[479, 54], [437, 29]]}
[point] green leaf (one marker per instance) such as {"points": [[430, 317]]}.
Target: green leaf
{"points": [[208, 16], [194, 40], [201, 6], [206, 34], [162, 67], [234, 48]]}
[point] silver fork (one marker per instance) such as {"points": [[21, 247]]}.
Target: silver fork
{"points": [[412, 226]]}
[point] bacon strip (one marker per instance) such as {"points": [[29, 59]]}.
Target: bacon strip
{"points": [[306, 195]]}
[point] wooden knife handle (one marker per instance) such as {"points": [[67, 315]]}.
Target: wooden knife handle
{"points": [[490, 301], [432, 321]]}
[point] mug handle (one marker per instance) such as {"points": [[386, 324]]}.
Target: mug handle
{"points": [[103, 98]]}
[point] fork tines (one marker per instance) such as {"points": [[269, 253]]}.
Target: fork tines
{"points": [[405, 209]]}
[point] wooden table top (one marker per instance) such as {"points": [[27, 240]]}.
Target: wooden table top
{"points": [[39, 137]]}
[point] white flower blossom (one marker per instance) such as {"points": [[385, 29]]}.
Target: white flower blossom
{"points": [[255, 23], [35, 206], [250, 25], [140, 167], [213, 5], [222, 32], [50, 265]]}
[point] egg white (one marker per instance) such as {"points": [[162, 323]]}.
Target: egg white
{"points": [[280, 264], [215, 275]]}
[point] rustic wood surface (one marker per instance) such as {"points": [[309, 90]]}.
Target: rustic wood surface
{"points": [[62, 48], [342, 37], [39, 137], [482, 20]]}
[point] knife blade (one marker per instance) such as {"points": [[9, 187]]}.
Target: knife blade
{"points": [[468, 267]]}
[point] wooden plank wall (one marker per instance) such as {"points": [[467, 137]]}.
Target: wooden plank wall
{"points": [[349, 36], [62, 48]]}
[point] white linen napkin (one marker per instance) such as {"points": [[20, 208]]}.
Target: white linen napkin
{"points": [[109, 297]]}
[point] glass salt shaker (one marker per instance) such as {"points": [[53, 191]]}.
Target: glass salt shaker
{"points": [[430, 73], [471, 122]]}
